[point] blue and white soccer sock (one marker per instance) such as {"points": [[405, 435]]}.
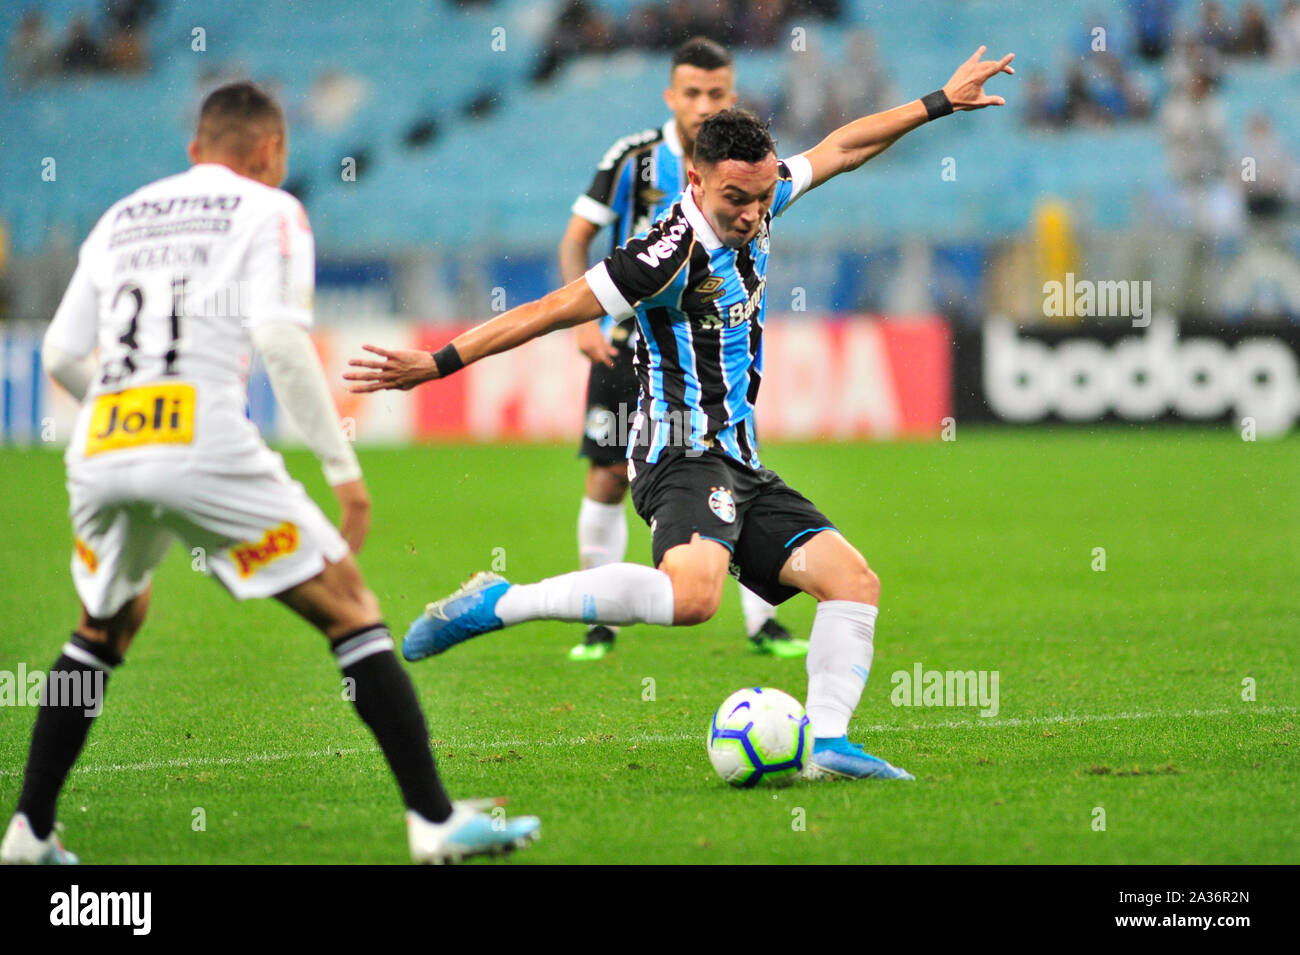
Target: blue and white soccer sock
{"points": [[612, 594], [757, 611], [840, 650], [602, 533]]}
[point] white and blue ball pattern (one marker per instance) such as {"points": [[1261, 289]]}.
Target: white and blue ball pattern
{"points": [[759, 735]]}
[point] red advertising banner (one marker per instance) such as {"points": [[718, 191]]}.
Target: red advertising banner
{"points": [[824, 378]]}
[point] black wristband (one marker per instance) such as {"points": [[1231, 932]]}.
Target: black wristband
{"points": [[448, 360], [936, 104]]}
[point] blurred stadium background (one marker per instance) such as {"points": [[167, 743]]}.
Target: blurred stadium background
{"points": [[438, 146]]}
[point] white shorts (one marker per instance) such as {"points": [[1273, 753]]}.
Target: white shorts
{"points": [[258, 532]]}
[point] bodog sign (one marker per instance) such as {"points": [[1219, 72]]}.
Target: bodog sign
{"points": [[1199, 372]]}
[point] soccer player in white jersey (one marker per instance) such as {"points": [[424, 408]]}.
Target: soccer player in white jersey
{"points": [[695, 285], [176, 285]]}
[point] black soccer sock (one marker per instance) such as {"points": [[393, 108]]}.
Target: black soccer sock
{"points": [[73, 696], [386, 701]]}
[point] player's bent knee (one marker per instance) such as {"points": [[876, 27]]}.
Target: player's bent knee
{"points": [[694, 608], [695, 600], [119, 630], [859, 584], [871, 585], [361, 606], [853, 580]]}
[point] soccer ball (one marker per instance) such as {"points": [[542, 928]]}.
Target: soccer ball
{"points": [[759, 735]]}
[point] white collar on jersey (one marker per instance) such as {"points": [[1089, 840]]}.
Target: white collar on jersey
{"points": [[703, 231], [672, 140]]}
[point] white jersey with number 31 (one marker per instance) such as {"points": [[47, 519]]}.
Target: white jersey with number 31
{"points": [[168, 285]]}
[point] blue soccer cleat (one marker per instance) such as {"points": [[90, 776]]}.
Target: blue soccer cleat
{"points": [[467, 613], [837, 758], [469, 831]]}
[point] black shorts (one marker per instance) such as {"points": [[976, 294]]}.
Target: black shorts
{"points": [[611, 405], [754, 514]]}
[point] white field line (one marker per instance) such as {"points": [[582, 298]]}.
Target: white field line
{"points": [[638, 738]]}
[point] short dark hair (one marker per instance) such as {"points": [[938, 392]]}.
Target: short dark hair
{"points": [[702, 53], [235, 116], [734, 133]]}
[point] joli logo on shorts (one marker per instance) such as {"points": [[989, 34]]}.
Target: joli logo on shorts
{"points": [[277, 542]]}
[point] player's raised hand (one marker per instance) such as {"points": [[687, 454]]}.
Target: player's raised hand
{"points": [[400, 370], [966, 88]]}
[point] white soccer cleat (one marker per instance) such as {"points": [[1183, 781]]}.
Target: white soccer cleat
{"points": [[21, 847], [468, 831]]}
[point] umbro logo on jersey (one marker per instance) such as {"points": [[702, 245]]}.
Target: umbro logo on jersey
{"points": [[650, 196], [710, 288], [665, 247]]}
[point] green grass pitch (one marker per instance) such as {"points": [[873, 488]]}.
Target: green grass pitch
{"points": [[1119, 690]]}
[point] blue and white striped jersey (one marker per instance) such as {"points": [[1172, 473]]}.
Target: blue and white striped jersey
{"points": [[699, 309], [638, 180]]}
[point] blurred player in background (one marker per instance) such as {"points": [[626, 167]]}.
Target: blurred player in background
{"points": [[695, 283], [638, 180], [175, 285]]}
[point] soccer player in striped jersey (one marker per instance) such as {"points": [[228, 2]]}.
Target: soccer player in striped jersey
{"points": [[695, 285], [638, 180]]}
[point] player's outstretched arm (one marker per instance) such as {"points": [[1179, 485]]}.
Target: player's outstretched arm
{"points": [[403, 369], [852, 145]]}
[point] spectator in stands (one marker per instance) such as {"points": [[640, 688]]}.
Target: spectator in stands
{"points": [[1287, 47], [1042, 107], [583, 27], [1119, 94], [826, 9], [713, 18], [1153, 22], [646, 29], [334, 98], [860, 85], [1254, 37], [762, 23], [1216, 32], [1192, 58], [1080, 107], [82, 52], [680, 23], [129, 15], [806, 110], [1195, 128], [33, 53], [1273, 186], [126, 51], [579, 29]]}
